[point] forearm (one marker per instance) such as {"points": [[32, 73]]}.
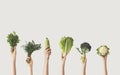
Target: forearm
{"points": [[63, 68], [84, 69], [46, 67], [31, 70], [14, 66], [105, 67]]}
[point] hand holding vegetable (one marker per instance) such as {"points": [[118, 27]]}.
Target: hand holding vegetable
{"points": [[85, 47], [66, 44], [103, 51], [30, 47], [63, 56], [13, 39], [47, 51], [14, 53], [29, 59]]}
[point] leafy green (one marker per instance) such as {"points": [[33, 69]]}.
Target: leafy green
{"points": [[30, 47], [13, 39], [66, 44]]}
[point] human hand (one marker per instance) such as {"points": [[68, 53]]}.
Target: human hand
{"points": [[29, 61], [104, 58], [13, 52], [47, 53], [63, 56]]}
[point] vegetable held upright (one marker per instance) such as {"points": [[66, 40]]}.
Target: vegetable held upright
{"points": [[47, 43], [13, 40], [103, 51], [47, 53], [85, 48], [66, 44], [30, 47]]}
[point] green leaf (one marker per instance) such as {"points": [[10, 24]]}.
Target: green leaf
{"points": [[30, 47], [79, 50], [66, 44], [13, 39]]}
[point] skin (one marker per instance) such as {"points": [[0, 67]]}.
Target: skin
{"points": [[105, 65], [14, 61], [30, 65], [63, 56], [84, 67], [47, 53]]}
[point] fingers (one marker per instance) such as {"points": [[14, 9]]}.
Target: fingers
{"points": [[48, 51], [63, 56], [47, 48], [13, 49], [104, 57], [29, 60], [13, 52]]}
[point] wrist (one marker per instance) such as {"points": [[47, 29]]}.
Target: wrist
{"points": [[63, 62], [46, 60], [14, 59], [47, 57]]}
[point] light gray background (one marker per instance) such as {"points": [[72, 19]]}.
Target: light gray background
{"points": [[93, 21]]}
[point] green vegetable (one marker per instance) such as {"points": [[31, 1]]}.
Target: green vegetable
{"points": [[13, 39], [66, 44], [30, 47], [103, 50], [85, 47], [47, 43]]}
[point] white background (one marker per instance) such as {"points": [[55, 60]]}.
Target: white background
{"points": [[93, 21]]}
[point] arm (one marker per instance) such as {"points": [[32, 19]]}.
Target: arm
{"points": [[14, 61], [63, 64], [31, 69], [46, 62], [105, 65], [30, 65], [84, 67]]}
